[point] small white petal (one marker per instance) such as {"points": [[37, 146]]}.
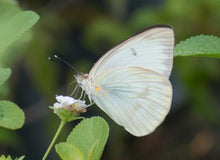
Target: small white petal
{"points": [[59, 98], [57, 105]]}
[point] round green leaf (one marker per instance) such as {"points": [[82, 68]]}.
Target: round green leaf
{"points": [[90, 136], [12, 116]]}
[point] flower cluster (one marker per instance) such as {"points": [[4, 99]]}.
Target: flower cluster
{"points": [[70, 104]]}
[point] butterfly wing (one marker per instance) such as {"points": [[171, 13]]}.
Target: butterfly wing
{"points": [[151, 49], [137, 99]]}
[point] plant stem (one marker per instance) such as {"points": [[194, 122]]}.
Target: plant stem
{"points": [[62, 123]]}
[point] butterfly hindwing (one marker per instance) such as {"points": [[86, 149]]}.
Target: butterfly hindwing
{"points": [[136, 98]]}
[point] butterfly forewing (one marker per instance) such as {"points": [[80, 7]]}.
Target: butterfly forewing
{"points": [[136, 98], [151, 49]]}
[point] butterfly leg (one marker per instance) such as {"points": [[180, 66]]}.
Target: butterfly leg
{"points": [[90, 104], [75, 90], [82, 94]]}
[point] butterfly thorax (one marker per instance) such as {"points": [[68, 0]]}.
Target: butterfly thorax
{"points": [[86, 84]]}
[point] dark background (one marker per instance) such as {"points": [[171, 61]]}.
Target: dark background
{"points": [[80, 31]]}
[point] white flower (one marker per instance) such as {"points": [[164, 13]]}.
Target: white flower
{"points": [[70, 104]]}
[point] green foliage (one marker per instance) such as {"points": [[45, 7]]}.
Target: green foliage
{"points": [[11, 29], [10, 13], [4, 158], [102, 32], [4, 74], [205, 19], [9, 158], [202, 45], [13, 26], [89, 137], [41, 46], [68, 151], [13, 23], [20, 158], [10, 138], [197, 76], [12, 116], [8, 9]]}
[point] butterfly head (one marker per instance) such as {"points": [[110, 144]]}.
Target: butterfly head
{"points": [[81, 78], [84, 82]]}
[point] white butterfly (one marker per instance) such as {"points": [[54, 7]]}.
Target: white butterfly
{"points": [[130, 82]]}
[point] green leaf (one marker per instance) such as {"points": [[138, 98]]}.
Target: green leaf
{"points": [[9, 158], [202, 45], [90, 136], [20, 158], [4, 74], [14, 26], [4, 158], [12, 116], [68, 151]]}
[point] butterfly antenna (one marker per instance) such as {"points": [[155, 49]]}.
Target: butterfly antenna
{"points": [[65, 62]]}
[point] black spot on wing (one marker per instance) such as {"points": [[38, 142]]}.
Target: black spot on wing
{"points": [[133, 52]]}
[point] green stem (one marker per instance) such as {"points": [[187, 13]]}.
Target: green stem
{"points": [[62, 123]]}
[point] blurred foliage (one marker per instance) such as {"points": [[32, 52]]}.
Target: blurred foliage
{"points": [[10, 138], [187, 20], [44, 41], [5, 73], [12, 28], [13, 23], [200, 79]]}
